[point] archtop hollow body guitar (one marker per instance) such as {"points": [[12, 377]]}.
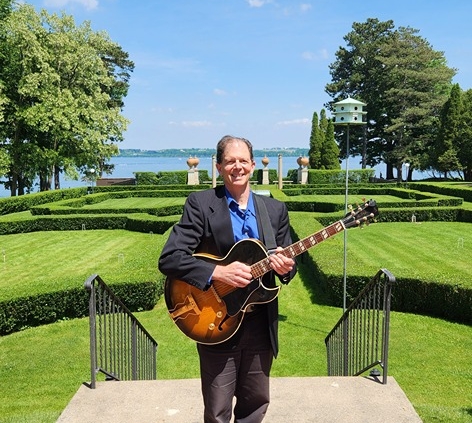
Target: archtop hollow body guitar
{"points": [[214, 315]]}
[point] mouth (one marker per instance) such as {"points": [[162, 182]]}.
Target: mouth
{"points": [[238, 176]]}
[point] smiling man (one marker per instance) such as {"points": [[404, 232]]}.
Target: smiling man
{"points": [[214, 223]]}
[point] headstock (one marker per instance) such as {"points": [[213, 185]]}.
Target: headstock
{"points": [[361, 214]]}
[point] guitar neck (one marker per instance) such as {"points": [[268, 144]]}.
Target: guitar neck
{"points": [[262, 267]]}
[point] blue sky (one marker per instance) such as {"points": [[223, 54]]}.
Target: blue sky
{"points": [[250, 68]]}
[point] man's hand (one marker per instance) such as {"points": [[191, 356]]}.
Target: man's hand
{"points": [[280, 263], [236, 274]]}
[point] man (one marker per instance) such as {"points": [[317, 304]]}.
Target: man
{"points": [[212, 222]]}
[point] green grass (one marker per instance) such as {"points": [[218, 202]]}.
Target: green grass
{"points": [[42, 368], [39, 262], [436, 251], [136, 202]]}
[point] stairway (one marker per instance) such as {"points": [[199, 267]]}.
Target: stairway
{"points": [[294, 400]]}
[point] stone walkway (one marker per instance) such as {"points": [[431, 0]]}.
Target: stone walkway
{"points": [[294, 400]]}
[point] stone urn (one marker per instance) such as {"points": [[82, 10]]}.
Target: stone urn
{"points": [[265, 161], [192, 162], [303, 161]]}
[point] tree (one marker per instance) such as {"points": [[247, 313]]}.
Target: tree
{"points": [[323, 152], [5, 10], [419, 84], [404, 83], [444, 155], [464, 141], [330, 150], [316, 142], [357, 72], [65, 88]]}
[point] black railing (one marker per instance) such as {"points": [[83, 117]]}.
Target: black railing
{"points": [[120, 347], [359, 341]]}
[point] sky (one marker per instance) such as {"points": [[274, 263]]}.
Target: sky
{"points": [[250, 68]]}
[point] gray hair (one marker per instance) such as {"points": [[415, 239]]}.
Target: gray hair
{"points": [[227, 139]]}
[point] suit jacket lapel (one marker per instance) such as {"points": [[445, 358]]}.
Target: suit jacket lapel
{"points": [[220, 222]]}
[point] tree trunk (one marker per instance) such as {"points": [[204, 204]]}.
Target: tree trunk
{"points": [[57, 180]]}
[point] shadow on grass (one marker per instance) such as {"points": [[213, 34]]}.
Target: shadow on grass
{"points": [[312, 278], [285, 319]]}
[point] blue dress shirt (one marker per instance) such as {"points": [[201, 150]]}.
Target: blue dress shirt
{"points": [[243, 221]]}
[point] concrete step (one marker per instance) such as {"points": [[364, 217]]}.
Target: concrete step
{"points": [[293, 400]]}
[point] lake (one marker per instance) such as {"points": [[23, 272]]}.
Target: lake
{"points": [[126, 166]]}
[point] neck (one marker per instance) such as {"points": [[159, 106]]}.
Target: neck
{"points": [[240, 195]]}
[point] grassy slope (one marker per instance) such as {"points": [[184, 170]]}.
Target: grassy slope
{"points": [[41, 368]]}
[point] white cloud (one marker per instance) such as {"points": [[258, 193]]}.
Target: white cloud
{"points": [[304, 7], [88, 4], [196, 123], [217, 91], [302, 121], [258, 3], [321, 55]]}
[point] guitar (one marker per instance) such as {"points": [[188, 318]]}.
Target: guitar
{"points": [[214, 315]]}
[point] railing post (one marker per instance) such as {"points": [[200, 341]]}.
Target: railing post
{"points": [[134, 352], [90, 286], [386, 328], [118, 342], [345, 346], [353, 344]]}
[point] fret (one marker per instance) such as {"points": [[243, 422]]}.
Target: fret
{"points": [[262, 267]]}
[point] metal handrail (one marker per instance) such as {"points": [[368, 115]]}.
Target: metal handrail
{"points": [[120, 347], [359, 341]]}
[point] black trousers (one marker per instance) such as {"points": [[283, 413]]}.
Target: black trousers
{"points": [[238, 368]]}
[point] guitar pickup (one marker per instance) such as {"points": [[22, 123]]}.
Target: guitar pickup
{"points": [[189, 306]]}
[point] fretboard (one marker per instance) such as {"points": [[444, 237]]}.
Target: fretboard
{"points": [[262, 267]]}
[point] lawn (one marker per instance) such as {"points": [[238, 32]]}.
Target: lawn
{"points": [[39, 262], [41, 368], [136, 203], [436, 251]]}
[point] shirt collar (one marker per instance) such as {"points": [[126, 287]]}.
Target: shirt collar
{"points": [[250, 202]]}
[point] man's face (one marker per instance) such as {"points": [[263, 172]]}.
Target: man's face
{"points": [[236, 167]]}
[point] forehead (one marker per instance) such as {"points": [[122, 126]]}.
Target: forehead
{"points": [[236, 150]]}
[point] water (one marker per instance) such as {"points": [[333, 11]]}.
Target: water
{"points": [[125, 167]]}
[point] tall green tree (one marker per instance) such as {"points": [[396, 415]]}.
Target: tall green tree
{"points": [[464, 141], [419, 85], [5, 10], [330, 150], [444, 154], [404, 83], [452, 152], [316, 142], [66, 85], [323, 152]]}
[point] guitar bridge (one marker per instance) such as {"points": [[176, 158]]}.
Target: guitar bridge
{"points": [[189, 306]]}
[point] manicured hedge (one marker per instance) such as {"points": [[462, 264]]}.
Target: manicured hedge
{"points": [[338, 176], [409, 296], [20, 313], [138, 223], [62, 210]]}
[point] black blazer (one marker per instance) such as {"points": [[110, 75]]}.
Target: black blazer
{"points": [[205, 226]]}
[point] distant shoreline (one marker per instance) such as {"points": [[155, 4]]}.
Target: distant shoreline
{"points": [[208, 152]]}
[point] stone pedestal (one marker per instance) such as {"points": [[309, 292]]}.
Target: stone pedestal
{"points": [[265, 171], [302, 177], [192, 173]]}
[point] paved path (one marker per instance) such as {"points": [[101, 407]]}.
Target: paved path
{"points": [[294, 400]]}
